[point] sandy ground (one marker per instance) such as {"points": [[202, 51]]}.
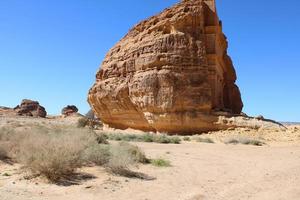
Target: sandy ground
{"points": [[199, 171]]}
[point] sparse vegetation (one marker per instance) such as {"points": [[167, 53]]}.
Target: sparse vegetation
{"points": [[244, 140], [97, 154], [82, 122], [6, 174], [57, 153], [204, 140], [120, 160], [135, 152], [55, 156], [3, 153], [102, 139], [88, 122], [164, 139], [160, 162], [186, 138]]}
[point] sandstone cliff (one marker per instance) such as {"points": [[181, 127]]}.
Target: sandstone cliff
{"points": [[170, 73]]}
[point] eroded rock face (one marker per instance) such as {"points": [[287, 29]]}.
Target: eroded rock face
{"points": [[170, 73], [30, 108]]}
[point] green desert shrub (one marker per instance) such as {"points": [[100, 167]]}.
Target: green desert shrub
{"points": [[147, 137], [186, 138], [204, 140], [175, 140], [115, 136], [6, 174], [160, 162], [162, 139], [165, 139], [243, 140]]}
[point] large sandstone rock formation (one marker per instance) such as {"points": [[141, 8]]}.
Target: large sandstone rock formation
{"points": [[30, 108], [27, 108], [69, 110], [170, 73]]}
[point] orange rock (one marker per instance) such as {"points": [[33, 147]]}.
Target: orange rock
{"points": [[170, 73]]}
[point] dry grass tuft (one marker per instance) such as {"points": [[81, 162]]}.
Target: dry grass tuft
{"points": [[162, 138], [97, 154], [55, 155], [160, 162], [204, 140], [243, 140], [3, 153], [58, 152]]}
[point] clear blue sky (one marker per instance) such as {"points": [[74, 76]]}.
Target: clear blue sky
{"points": [[50, 50]]}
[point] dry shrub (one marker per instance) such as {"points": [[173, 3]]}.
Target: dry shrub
{"points": [[137, 154], [10, 140], [82, 122], [120, 160], [55, 156], [123, 156], [57, 152], [147, 137], [186, 138], [88, 122], [102, 139], [98, 154], [204, 140], [3, 153], [243, 140], [160, 162]]}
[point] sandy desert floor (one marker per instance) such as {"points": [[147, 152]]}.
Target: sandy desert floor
{"points": [[199, 171]]}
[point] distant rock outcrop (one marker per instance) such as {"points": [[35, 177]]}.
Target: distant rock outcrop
{"points": [[90, 114], [170, 73], [69, 110], [30, 108]]}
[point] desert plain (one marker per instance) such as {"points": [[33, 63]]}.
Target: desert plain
{"points": [[198, 170]]}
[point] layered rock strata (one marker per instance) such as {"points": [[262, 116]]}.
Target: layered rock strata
{"points": [[170, 73], [30, 108]]}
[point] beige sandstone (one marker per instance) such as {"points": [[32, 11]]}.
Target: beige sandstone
{"points": [[170, 73]]}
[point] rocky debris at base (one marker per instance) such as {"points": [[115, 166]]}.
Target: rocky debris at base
{"points": [[250, 122]]}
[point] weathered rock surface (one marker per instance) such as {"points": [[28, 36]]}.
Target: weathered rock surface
{"points": [[69, 110], [30, 108], [170, 73]]}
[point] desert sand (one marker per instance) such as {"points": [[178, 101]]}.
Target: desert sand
{"points": [[199, 171]]}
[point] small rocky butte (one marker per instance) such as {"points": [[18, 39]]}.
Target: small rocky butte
{"points": [[171, 73], [27, 108]]}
